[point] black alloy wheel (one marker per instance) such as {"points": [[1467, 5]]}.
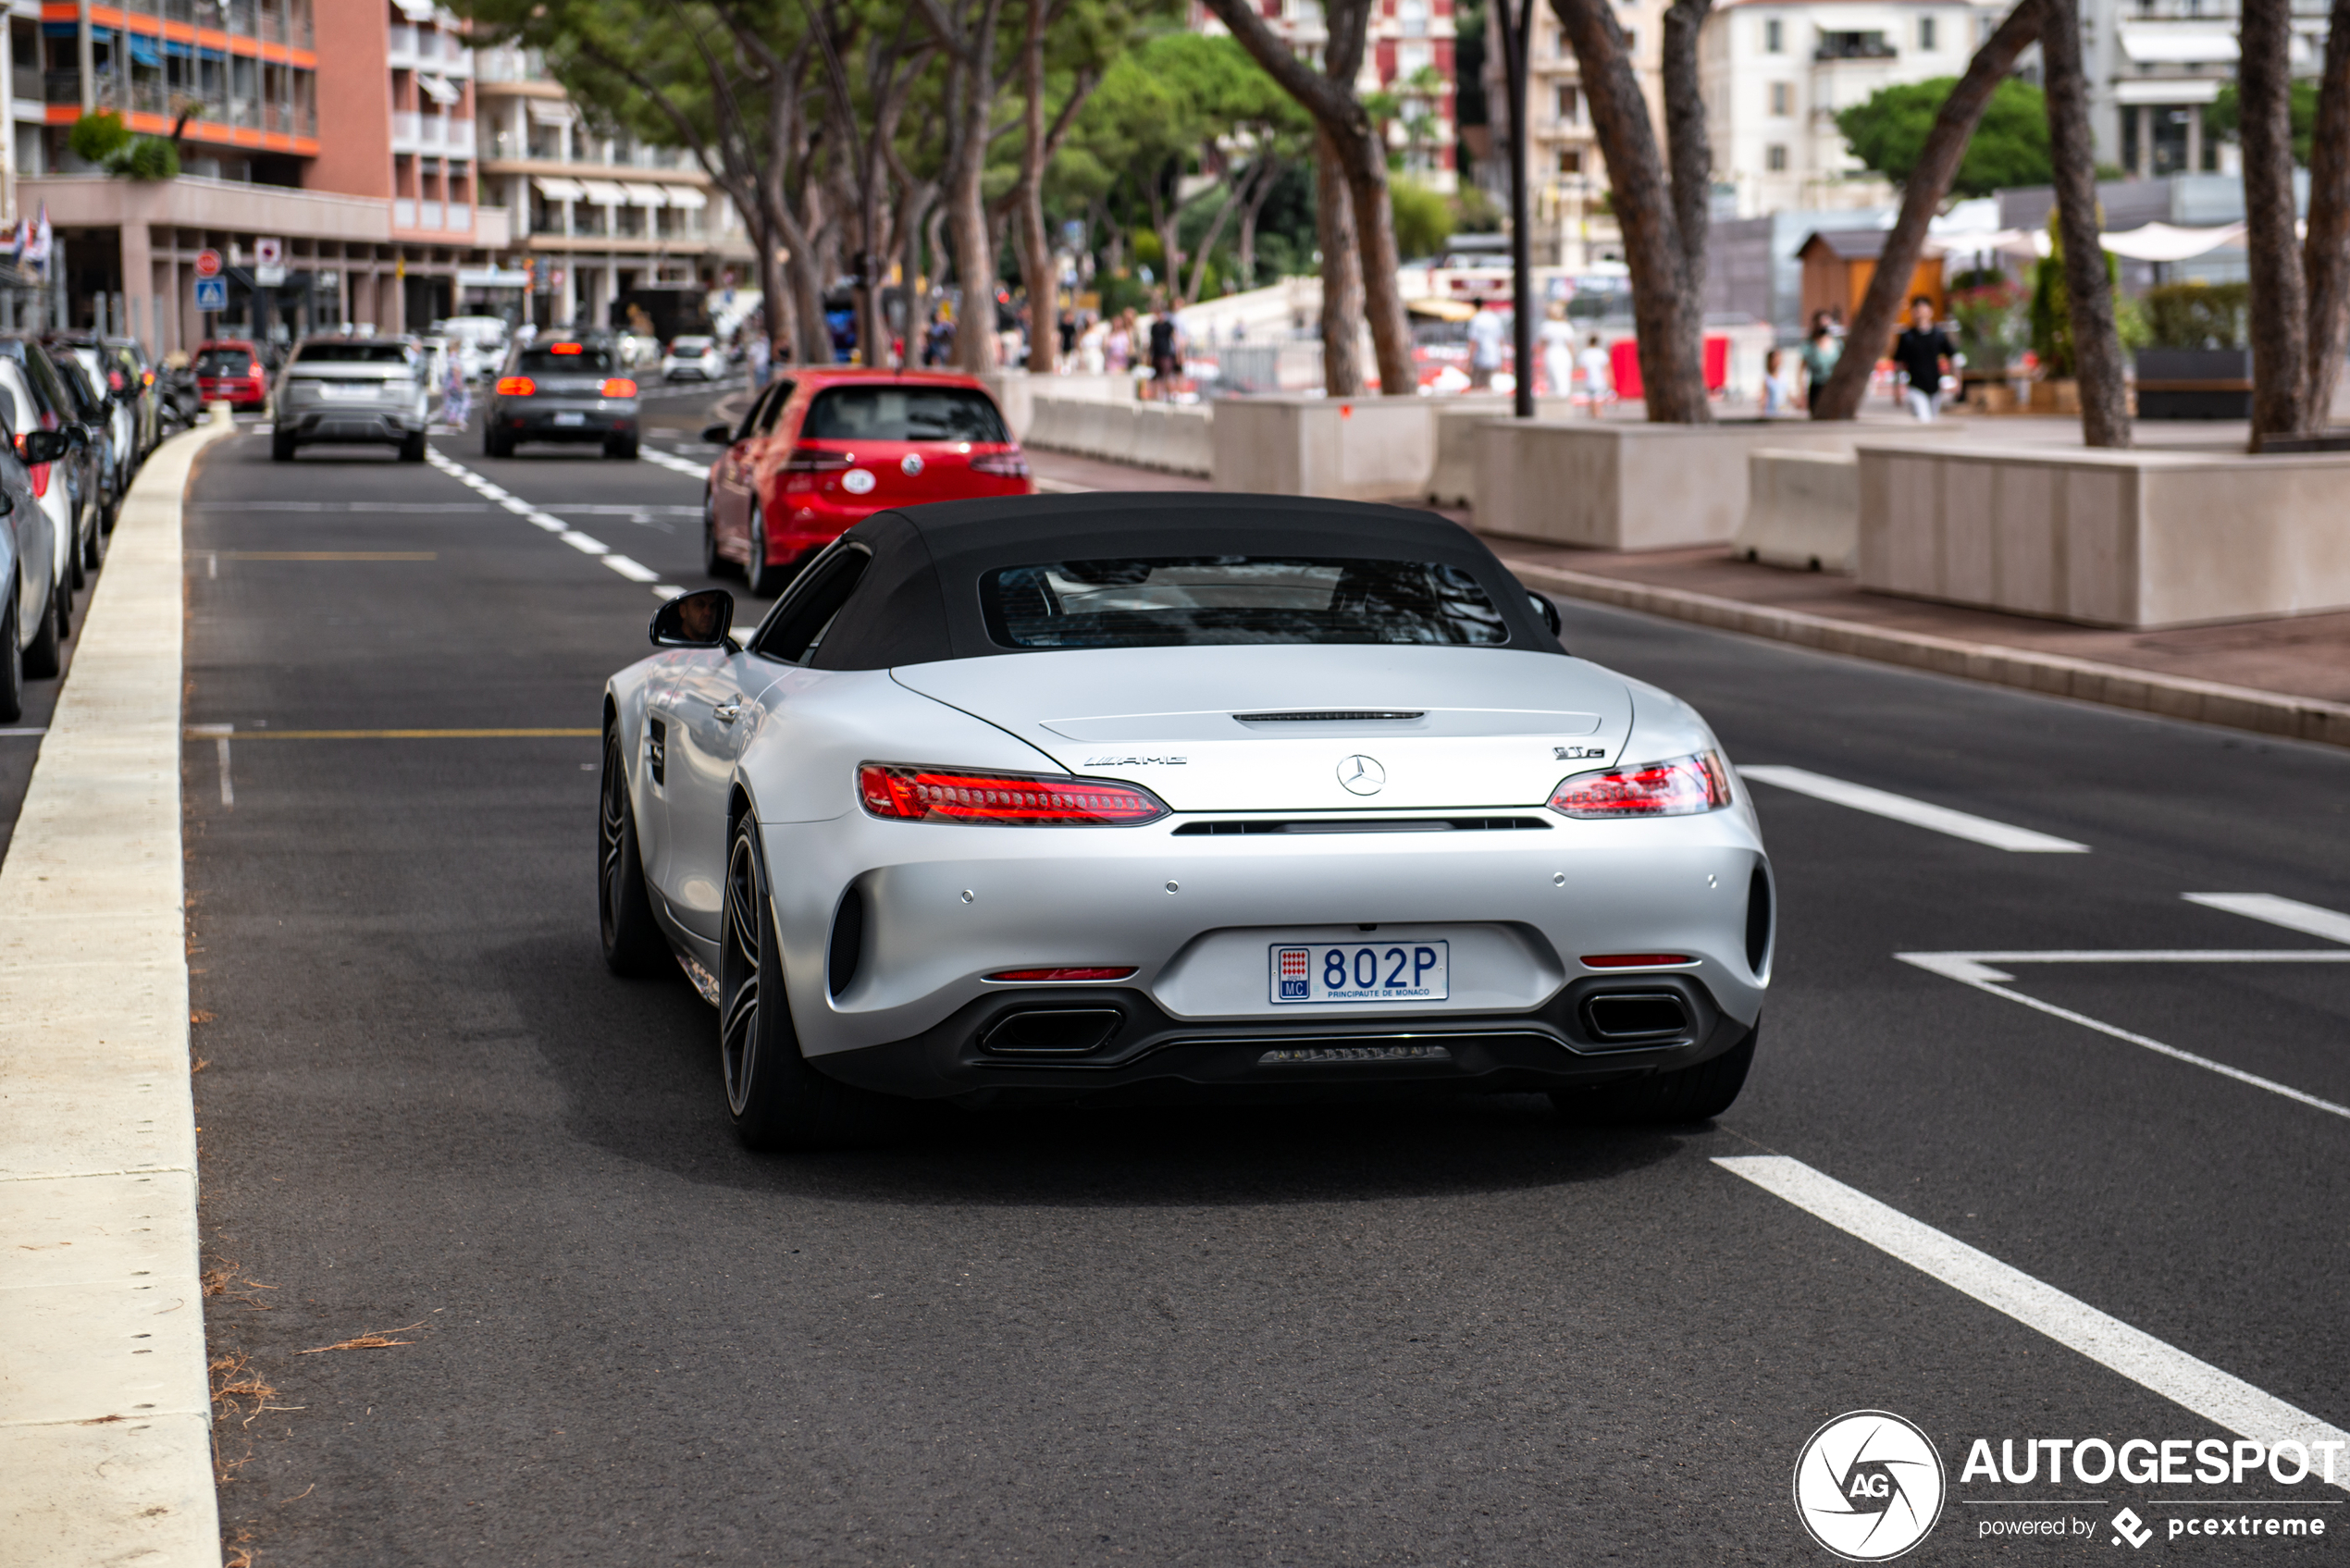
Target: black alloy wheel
{"points": [[633, 944], [775, 1099], [77, 575], [11, 663], [764, 578], [94, 549], [713, 563], [44, 655]]}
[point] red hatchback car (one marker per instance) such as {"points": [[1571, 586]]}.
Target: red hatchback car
{"points": [[230, 371], [822, 449]]}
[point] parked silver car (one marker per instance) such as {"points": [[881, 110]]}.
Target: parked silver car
{"points": [[363, 390]]}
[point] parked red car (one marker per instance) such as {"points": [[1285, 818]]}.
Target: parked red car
{"points": [[229, 370], [822, 449]]}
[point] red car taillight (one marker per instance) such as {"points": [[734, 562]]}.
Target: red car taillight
{"points": [[1003, 465], [803, 460], [38, 473], [1682, 786], [620, 387], [904, 794], [1033, 977], [516, 386], [1634, 960]]}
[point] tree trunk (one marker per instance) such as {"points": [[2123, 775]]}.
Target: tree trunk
{"points": [[2097, 346], [1035, 247], [2325, 263], [1687, 148], [1667, 312], [1342, 276], [2279, 313], [1929, 183], [1365, 163]]}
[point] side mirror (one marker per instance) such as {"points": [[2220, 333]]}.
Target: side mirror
{"points": [[43, 446], [1549, 612], [79, 434], [718, 434], [694, 619]]}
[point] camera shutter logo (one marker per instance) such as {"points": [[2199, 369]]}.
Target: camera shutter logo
{"points": [[1869, 1485]]}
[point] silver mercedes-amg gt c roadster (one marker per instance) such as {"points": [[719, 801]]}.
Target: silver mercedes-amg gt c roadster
{"points": [[1115, 796]]}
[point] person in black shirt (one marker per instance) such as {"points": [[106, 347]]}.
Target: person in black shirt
{"points": [[1167, 360], [1922, 352]]}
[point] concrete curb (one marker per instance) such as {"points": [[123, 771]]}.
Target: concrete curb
{"points": [[2116, 686], [105, 1416]]}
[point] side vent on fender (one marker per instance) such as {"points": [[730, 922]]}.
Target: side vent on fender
{"points": [[657, 749], [1758, 920], [848, 943]]}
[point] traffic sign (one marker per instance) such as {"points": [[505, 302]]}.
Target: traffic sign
{"points": [[208, 264], [269, 252], [212, 294]]}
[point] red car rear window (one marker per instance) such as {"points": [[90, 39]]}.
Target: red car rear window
{"points": [[903, 414], [224, 362]]}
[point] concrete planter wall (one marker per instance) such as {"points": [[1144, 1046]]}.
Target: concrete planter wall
{"points": [[1609, 486], [1352, 449], [1453, 480], [2195, 383], [1173, 437], [1802, 510], [2126, 538]]}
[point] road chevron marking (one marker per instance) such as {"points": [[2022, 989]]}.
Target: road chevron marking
{"points": [[2219, 1397], [2293, 915], [1917, 813], [1975, 970]]}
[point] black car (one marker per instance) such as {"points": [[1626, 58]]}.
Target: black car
{"points": [[561, 388]]}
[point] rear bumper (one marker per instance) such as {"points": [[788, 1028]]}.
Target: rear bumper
{"points": [[1149, 1056], [538, 420], [345, 423]]}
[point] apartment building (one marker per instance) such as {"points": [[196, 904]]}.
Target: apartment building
{"points": [[1566, 180], [595, 219], [1408, 56]]}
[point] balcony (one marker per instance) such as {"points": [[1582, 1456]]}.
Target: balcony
{"points": [[461, 217], [1854, 46], [404, 212], [428, 215], [25, 83], [61, 87]]}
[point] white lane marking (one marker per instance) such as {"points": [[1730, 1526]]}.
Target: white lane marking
{"points": [[1968, 969], [2219, 1397], [631, 569], [27, 731], [2309, 919], [1063, 487], [1917, 813], [220, 733], [2165, 1369], [538, 517], [582, 543], [675, 463], [666, 591]]}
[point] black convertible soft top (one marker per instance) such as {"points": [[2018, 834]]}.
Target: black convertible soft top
{"points": [[918, 601]]}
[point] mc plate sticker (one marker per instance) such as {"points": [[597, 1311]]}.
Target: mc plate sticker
{"points": [[1307, 974]]}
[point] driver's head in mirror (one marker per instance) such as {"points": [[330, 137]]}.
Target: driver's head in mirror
{"points": [[701, 617]]}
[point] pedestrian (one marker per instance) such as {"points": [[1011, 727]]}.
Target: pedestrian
{"points": [[755, 358], [1093, 346], [1117, 344], [1485, 345], [1167, 358], [456, 397], [1922, 352], [1778, 393], [1558, 353], [1820, 354], [1597, 373]]}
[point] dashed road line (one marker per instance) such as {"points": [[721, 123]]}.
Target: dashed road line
{"points": [[540, 517], [672, 462], [2309, 919], [2219, 1397], [1917, 813]]}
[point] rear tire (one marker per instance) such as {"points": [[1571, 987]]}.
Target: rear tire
{"points": [[765, 579], [94, 549], [11, 663], [776, 1100], [634, 947], [44, 655], [496, 443], [77, 575], [621, 449], [281, 446], [412, 450], [1694, 1094], [713, 563]]}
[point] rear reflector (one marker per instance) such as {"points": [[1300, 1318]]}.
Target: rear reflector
{"points": [[904, 794], [1049, 977], [1633, 960], [1003, 465], [620, 387], [516, 386]]}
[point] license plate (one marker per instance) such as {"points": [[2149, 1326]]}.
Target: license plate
{"points": [[352, 391], [1307, 974], [571, 419]]}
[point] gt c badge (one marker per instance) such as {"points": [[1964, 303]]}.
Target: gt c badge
{"points": [[1577, 753], [1361, 776], [1134, 761]]}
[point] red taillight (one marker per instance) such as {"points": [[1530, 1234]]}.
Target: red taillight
{"points": [[620, 387], [146, 378], [1003, 465], [803, 460], [115, 379], [563, 348], [1680, 787], [1046, 977], [952, 794], [38, 473], [1634, 960], [516, 386]]}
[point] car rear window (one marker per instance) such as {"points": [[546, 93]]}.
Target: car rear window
{"points": [[353, 353], [903, 414], [224, 362], [584, 359], [1191, 600]]}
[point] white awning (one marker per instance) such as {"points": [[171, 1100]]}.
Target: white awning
{"points": [[2160, 45], [439, 88], [2157, 90], [604, 193], [643, 195], [550, 111], [556, 190], [2165, 243], [415, 11], [686, 196]]}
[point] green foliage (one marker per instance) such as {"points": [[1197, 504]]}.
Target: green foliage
{"points": [[2009, 146], [104, 139], [2224, 119], [1474, 212], [1423, 218], [2198, 315], [1989, 311], [2052, 306]]}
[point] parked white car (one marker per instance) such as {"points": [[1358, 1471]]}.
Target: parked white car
{"points": [[699, 358]]}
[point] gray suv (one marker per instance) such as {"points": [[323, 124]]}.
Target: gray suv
{"points": [[366, 390]]}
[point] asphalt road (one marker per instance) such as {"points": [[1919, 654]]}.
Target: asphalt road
{"points": [[1457, 1333]]}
